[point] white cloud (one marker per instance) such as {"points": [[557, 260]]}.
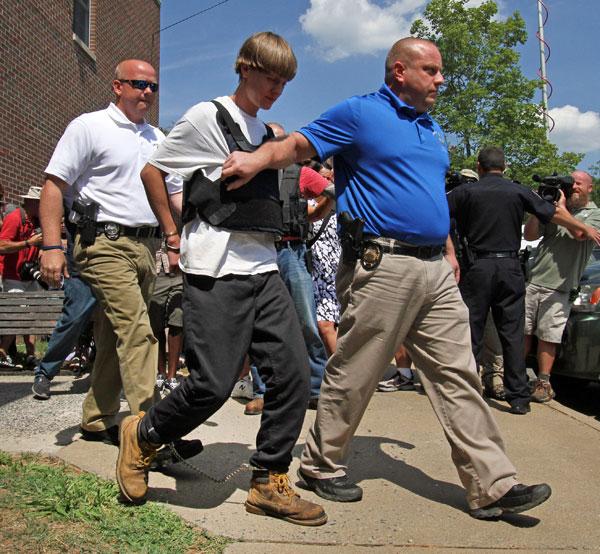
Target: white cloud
{"points": [[575, 131], [342, 28]]}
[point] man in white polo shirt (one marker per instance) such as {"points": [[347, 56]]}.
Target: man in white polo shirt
{"points": [[98, 161]]}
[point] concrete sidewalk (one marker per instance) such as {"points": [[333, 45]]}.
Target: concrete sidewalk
{"points": [[412, 496]]}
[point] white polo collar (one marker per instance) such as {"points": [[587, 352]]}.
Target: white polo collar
{"points": [[121, 119]]}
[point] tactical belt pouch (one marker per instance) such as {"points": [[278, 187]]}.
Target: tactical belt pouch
{"points": [[253, 207]]}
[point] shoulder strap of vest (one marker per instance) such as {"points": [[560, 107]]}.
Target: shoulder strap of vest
{"points": [[234, 128]]}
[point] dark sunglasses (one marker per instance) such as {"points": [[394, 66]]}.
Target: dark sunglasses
{"points": [[140, 85]]}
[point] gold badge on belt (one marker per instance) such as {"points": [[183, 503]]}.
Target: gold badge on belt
{"points": [[371, 255]]}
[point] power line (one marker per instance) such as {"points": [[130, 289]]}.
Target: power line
{"points": [[193, 15]]}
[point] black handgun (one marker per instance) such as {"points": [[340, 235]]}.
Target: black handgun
{"points": [[351, 237]]}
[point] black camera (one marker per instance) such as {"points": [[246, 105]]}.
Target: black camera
{"points": [[549, 187], [30, 271], [454, 179]]}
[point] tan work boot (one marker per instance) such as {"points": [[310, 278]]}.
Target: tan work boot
{"points": [[272, 495], [254, 407], [134, 460]]}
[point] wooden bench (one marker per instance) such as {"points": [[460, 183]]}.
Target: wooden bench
{"points": [[30, 313]]}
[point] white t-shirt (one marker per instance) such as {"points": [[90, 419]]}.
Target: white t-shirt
{"points": [[100, 156], [197, 142]]}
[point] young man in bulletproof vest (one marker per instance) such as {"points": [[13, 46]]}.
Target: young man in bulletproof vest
{"points": [[234, 300]]}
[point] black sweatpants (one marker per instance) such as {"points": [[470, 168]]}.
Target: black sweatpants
{"points": [[223, 319], [498, 283]]}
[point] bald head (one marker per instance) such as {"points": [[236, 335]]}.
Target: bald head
{"points": [[127, 68], [134, 85], [405, 50], [583, 177], [582, 189]]}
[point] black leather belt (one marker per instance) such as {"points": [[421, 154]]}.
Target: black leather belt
{"points": [[115, 230], [392, 246], [505, 254]]}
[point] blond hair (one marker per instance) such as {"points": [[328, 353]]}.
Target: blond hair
{"points": [[267, 52]]}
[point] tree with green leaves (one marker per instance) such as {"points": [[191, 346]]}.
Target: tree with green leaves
{"points": [[594, 171], [486, 99]]}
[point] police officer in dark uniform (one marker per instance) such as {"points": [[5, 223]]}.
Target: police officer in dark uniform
{"points": [[489, 214]]}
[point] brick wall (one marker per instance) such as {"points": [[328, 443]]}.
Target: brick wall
{"points": [[47, 78]]}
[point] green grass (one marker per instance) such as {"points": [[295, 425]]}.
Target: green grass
{"points": [[47, 506]]}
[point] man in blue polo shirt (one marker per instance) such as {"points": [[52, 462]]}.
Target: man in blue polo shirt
{"points": [[395, 286]]}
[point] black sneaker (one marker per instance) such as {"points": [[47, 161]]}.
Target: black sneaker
{"points": [[520, 408], [185, 449], [337, 489], [518, 499], [31, 362], [41, 387], [107, 436]]}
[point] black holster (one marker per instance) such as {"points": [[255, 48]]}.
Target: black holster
{"points": [[85, 218], [351, 237]]}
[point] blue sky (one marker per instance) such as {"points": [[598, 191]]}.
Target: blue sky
{"points": [[341, 45]]}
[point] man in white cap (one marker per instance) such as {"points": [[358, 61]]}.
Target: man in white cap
{"points": [[19, 241]]}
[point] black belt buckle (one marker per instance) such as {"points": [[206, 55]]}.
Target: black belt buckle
{"points": [[112, 231], [371, 255]]}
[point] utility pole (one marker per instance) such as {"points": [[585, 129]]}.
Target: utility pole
{"points": [[543, 59]]}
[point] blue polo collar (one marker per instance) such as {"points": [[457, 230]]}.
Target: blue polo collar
{"points": [[401, 106]]}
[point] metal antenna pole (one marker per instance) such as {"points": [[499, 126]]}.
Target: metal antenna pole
{"points": [[543, 64]]}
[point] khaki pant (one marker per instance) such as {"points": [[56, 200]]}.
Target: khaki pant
{"points": [[492, 362], [415, 302], [121, 273]]}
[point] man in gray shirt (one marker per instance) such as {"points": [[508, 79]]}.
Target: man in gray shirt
{"points": [[557, 269]]}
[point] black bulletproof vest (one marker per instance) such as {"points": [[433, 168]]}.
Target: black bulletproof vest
{"points": [[254, 207], [294, 205]]}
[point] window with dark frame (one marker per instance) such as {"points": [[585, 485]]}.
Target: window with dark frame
{"points": [[81, 20]]}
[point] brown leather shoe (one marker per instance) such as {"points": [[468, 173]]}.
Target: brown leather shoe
{"points": [[254, 407], [134, 460], [272, 495]]}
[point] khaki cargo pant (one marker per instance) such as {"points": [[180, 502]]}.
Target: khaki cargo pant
{"points": [[121, 273], [415, 302]]}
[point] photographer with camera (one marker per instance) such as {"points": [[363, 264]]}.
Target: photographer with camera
{"points": [[489, 215], [560, 260], [20, 238]]}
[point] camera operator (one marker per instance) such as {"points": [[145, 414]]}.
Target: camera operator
{"points": [[19, 242], [489, 215], [560, 260]]}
